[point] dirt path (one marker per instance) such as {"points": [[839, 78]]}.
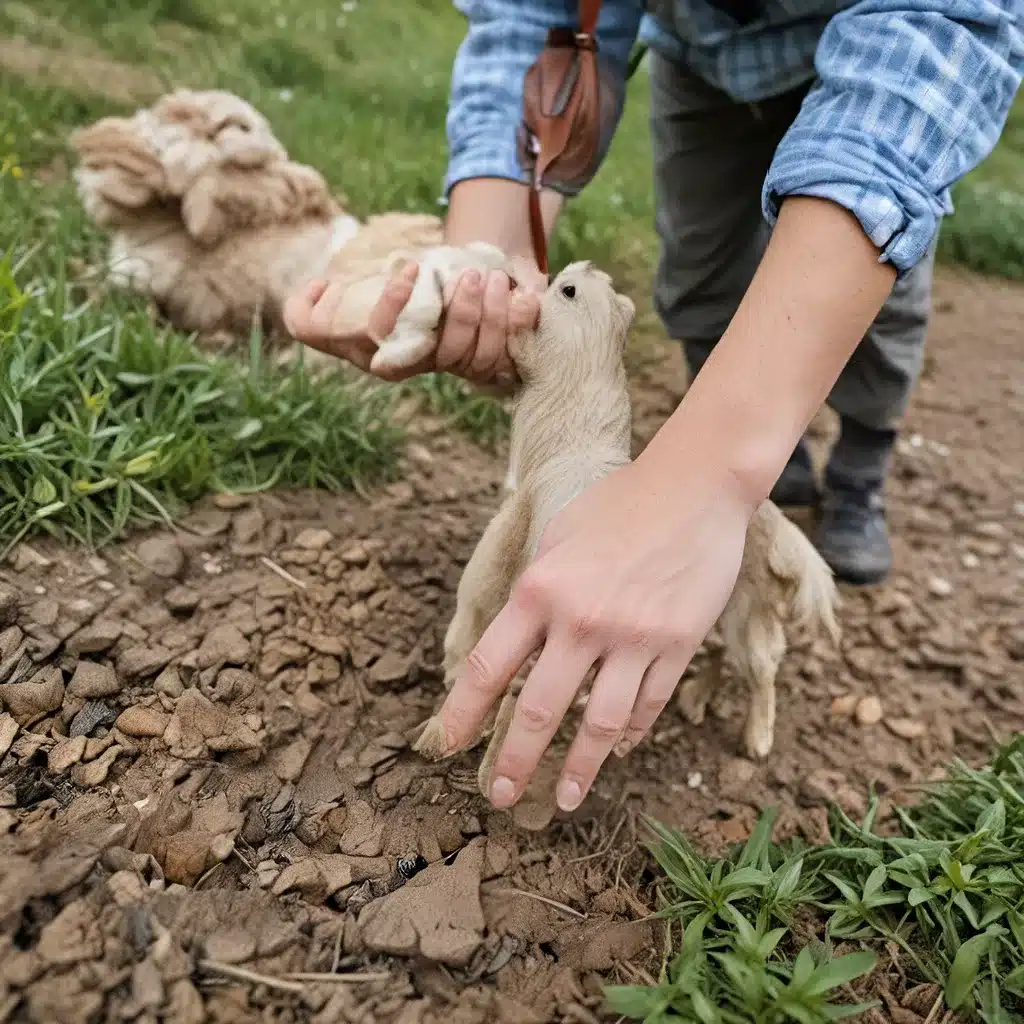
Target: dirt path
{"points": [[204, 773]]}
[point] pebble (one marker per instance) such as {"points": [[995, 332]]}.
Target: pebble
{"points": [[92, 679], [223, 645], [230, 501], [906, 728], [247, 526], [66, 754], [142, 661], [162, 556], [939, 587], [694, 780], [140, 722], [391, 667], [95, 772], [99, 636], [845, 705], [970, 560], [868, 711], [169, 683], [313, 540], [182, 599]]}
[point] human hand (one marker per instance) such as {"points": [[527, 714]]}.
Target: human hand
{"points": [[630, 577], [481, 311]]}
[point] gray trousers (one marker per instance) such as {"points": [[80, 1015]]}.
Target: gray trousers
{"points": [[711, 156]]}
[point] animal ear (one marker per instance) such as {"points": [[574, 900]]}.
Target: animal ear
{"points": [[119, 173]]}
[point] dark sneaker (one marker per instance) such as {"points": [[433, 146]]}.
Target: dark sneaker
{"points": [[853, 537], [796, 487]]}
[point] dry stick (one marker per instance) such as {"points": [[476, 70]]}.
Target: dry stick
{"points": [[604, 849], [244, 860], [206, 874], [543, 899], [337, 949], [934, 1009], [339, 978], [241, 974], [283, 573]]}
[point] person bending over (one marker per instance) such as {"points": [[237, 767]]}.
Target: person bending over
{"points": [[803, 155]]}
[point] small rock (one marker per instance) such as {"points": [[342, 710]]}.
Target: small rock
{"points": [[247, 526], [8, 730], [140, 721], [162, 556], [355, 554], [336, 820], [95, 772], [231, 946], [94, 713], [266, 873], [223, 645], [845, 705], [92, 680], [36, 697], [8, 605], [169, 683], [97, 637], [735, 777], [181, 599], [694, 780], [65, 755], [939, 587], [231, 501], [142, 661], [868, 711], [303, 875], [969, 560], [313, 540], [208, 522], [906, 728], [288, 762], [45, 613], [391, 667]]}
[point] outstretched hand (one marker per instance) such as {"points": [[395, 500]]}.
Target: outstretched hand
{"points": [[481, 311], [629, 577]]}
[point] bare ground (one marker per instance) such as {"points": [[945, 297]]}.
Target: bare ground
{"points": [[205, 783]]}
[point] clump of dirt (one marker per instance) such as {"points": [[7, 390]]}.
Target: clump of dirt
{"points": [[208, 799]]}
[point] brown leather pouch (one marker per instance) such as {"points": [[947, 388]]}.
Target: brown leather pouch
{"points": [[570, 105]]}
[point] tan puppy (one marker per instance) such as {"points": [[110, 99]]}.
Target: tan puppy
{"points": [[570, 428]]}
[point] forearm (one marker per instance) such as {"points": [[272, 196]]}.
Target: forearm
{"points": [[816, 292], [496, 210]]}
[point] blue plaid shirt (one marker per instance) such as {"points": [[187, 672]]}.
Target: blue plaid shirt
{"points": [[908, 95]]}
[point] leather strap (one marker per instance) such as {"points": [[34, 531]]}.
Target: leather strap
{"points": [[565, 115]]}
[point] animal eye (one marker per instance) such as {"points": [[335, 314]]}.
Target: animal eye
{"points": [[569, 291]]}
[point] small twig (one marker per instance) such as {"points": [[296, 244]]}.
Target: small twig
{"points": [[244, 860], [604, 849], [543, 899], [934, 1009], [241, 974], [339, 978], [206, 874], [336, 959], [283, 573]]}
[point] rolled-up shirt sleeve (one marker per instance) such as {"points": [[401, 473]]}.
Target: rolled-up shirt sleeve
{"points": [[911, 95], [503, 39]]}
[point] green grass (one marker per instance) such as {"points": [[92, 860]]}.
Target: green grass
{"points": [[107, 419], [943, 893], [360, 91]]}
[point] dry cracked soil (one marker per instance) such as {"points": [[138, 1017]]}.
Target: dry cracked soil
{"points": [[207, 797]]}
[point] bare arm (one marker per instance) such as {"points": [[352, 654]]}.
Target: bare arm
{"points": [[671, 526]]}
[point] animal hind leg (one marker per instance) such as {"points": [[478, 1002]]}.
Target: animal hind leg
{"points": [[697, 691], [759, 662]]}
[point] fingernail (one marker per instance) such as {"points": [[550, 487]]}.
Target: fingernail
{"points": [[503, 792], [622, 748], [569, 795]]}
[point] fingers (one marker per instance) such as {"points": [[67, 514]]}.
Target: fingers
{"points": [[509, 640], [389, 306], [607, 713], [461, 322], [298, 309], [659, 683], [492, 339], [542, 704]]}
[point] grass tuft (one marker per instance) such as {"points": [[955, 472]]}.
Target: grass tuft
{"points": [[945, 892]]}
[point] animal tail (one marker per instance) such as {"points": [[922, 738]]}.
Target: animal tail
{"points": [[813, 595]]}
